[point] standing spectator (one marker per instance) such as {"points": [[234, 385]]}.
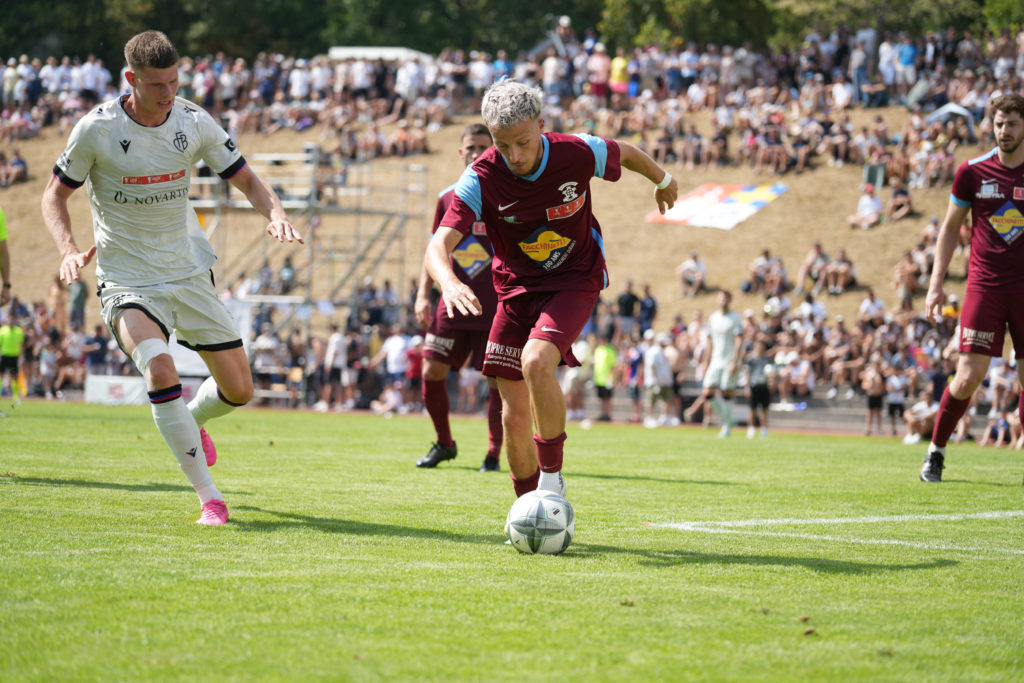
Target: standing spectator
{"points": [[895, 396], [658, 378], [96, 351], [79, 291], [873, 384], [12, 337], [985, 187], [626, 319], [606, 359], [759, 369], [648, 309]]}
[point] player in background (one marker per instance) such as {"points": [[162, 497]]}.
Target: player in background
{"points": [[991, 187], [450, 341], [725, 338], [153, 260], [532, 192]]}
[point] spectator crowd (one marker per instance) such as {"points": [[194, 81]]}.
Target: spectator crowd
{"points": [[773, 110]]}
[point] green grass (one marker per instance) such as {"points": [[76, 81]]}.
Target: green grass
{"points": [[343, 561]]}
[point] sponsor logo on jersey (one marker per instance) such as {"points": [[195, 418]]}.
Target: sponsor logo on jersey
{"points": [[229, 143], [152, 179], [149, 200], [1018, 193], [438, 344], [471, 256], [989, 190], [566, 210], [1008, 222], [480, 228], [125, 144], [976, 337], [547, 247], [180, 141], [64, 162]]}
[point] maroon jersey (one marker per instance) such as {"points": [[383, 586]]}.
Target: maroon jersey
{"points": [[995, 195], [471, 262], [542, 226]]}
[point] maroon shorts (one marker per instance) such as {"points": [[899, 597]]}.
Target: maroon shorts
{"points": [[454, 346], [557, 317], [986, 315]]}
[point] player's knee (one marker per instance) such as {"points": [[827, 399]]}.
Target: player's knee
{"points": [[153, 359], [536, 366], [238, 392]]}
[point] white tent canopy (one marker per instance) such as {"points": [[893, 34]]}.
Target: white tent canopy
{"points": [[403, 54], [952, 109]]}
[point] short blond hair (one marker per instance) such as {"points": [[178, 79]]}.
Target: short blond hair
{"points": [[509, 102], [151, 49]]}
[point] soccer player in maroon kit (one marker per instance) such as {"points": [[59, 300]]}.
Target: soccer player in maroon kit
{"points": [[451, 340], [532, 192], [992, 188]]}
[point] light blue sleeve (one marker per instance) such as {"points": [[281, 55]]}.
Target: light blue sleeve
{"points": [[468, 190], [600, 150]]}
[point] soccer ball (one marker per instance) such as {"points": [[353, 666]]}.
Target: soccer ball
{"points": [[541, 522]]}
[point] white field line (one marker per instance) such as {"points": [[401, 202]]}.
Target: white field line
{"points": [[755, 527]]}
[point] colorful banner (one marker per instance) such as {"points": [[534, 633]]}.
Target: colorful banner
{"points": [[719, 206]]}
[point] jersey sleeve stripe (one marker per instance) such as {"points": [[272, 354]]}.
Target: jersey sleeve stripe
{"points": [[959, 202], [233, 169], [67, 180], [468, 190], [600, 150]]}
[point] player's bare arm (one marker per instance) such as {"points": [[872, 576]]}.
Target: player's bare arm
{"points": [[944, 248], [58, 222], [422, 307], [456, 294], [265, 200], [639, 161]]}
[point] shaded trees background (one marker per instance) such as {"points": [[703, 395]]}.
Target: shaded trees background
{"points": [[304, 28]]}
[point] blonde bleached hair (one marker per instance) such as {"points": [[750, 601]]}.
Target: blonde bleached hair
{"points": [[509, 102]]}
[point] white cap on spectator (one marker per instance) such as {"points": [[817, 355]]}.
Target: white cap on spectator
{"points": [[649, 334], [564, 20]]}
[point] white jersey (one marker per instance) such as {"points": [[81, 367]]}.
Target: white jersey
{"points": [[723, 328], [146, 231]]}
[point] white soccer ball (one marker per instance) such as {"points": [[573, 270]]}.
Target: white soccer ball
{"points": [[541, 522]]}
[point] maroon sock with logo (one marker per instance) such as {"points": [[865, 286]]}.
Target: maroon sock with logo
{"points": [[495, 432], [549, 452], [435, 400], [525, 485], [951, 409]]}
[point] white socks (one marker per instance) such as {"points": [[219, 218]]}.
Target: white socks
{"points": [[180, 431], [207, 403]]}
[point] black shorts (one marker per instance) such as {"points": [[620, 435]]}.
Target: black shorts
{"points": [[604, 392], [875, 402], [9, 364], [760, 397], [895, 410]]}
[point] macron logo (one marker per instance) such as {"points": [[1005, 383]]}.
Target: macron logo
{"points": [[545, 328], [191, 452]]}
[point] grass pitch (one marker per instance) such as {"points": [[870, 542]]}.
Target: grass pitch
{"points": [[793, 558]]}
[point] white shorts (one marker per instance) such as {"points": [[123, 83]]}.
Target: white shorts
{"points": [[718, 377], [190, 308]]}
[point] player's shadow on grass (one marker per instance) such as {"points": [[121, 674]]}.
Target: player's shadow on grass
{"points": [[287, 520], [678, 558], [116, 485], [572, 474]]}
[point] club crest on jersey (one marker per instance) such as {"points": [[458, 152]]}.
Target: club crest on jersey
{"points": [[989, 190], [471, 256], [568, 191], [1008, 222], [569, 208], [547, 247], [180, 141]]}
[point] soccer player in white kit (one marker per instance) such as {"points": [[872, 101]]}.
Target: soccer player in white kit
{"points": [[725, 330], [153, 262]]}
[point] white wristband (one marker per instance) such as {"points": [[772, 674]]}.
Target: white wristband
{"points": [[664, 181]]}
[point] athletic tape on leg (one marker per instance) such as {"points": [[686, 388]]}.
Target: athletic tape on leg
{"points": [[147, 350]]}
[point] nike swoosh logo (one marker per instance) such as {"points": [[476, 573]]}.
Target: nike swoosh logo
{"points": [[545, 328], [502, 207]]}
